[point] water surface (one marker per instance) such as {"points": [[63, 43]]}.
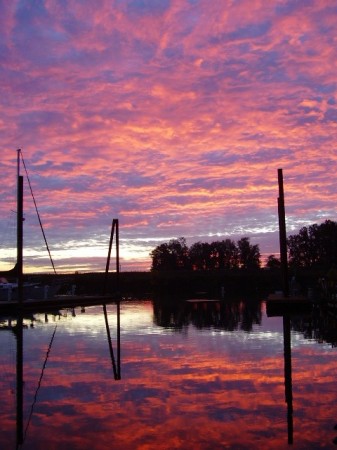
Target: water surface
{"points": [[206, 377]]}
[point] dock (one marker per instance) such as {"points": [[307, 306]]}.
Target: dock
{"points": [[280, 305], [55, 303]]}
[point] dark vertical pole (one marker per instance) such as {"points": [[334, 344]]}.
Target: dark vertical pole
{"points": [[288, 375], [118, 302], [112, 356], [117, 253], [109, 257], [283, 235], [114, 227], [118, 340], [20, 239], [18, 162], [19, 378], [116, 368], [19, 326]]}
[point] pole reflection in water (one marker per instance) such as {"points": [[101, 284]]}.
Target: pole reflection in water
{"points": [[288, 376], [202, 376], [19, 379], [116, 364], [39, 383]]}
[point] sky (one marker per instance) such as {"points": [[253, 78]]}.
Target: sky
{"points": [[172, 116]]}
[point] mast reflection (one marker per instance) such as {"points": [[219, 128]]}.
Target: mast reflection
{"points": [[116, 364], [21, 431], [288, 375], [19, 379]]}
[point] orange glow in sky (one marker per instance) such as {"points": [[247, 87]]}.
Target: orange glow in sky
{"points": [[172, 116]]}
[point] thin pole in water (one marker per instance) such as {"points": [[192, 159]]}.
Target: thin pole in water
{"points": [[283, 235]]}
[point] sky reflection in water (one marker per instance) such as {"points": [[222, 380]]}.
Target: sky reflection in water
{"points": [[182, 387]]}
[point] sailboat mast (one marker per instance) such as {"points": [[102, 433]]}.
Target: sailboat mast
{"points": [[18, 162], [19, 333], [19, 243]]}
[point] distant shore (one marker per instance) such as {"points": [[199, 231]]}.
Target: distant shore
{"points": [[181, 284]]}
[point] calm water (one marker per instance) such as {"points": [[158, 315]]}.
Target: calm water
{"points": [[206, 378]]}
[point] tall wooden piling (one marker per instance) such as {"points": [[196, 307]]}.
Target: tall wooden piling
{"points": [[283, 235]]}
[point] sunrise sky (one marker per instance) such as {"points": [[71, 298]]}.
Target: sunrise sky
{"points": [[172, 116]]}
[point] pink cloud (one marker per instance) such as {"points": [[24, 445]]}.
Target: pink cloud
{"points": [[164, 114]]}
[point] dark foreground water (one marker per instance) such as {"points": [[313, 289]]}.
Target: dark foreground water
{"points": [[202, 377]]}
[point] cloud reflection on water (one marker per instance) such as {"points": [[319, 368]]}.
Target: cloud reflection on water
{"points": [[199, 389]]}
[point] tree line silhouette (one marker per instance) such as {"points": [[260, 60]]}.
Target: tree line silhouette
{"points": [[225, 254], [314, 247]]}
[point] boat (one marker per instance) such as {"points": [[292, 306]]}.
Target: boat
{"points": [[12, 285], [9, 290], [30, 296]]}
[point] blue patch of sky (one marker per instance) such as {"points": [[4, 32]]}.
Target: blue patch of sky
{"points": [[29, 9], [252, 136], [331, 115], [149, 154], [307, 119], [228, 69], [174, 52], [36, 164], [79, 183], [327, 31], [110, 76], [328, 88], [34, 119], [145, 52], [269, 67], [34, 38], [288, 7], [4, 55], [136, 179], [267, 155], [249, 31], [219, 157], [146, 7], [36, 22], [120, 115], [206, 183], [117, 204]]}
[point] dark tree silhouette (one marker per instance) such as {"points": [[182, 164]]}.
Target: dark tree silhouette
{"points": [[225, 254], [171, 256], [249, 255], [219, 255], [200, 256], [273, 262], [314, 246]]}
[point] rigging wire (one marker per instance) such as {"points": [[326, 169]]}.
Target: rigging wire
{"points": [[39, 384], [38, 214]]}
